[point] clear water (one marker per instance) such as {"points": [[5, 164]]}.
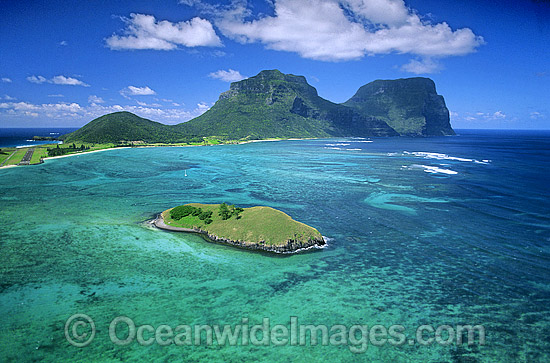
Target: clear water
{"points": [[410, 243], [13, 137]]}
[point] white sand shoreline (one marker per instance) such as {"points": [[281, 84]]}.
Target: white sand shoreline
{"points": [[150, 146], [83, 153]]}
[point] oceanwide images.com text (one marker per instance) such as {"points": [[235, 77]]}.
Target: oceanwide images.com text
{"points": [[80, 331]]}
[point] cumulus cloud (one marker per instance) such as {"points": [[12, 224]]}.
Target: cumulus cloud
{"points": [[68, 81], [137, 91], [6, 80], [7, 97], [484, 116], [497, 115], [340, 30], [95, 99], [536, 115], [422, 66], [227, 76], [145, 32], [73, 113], [202, 107], [35, 79], [61, 80]]}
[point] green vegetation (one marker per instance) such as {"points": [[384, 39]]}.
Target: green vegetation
{"points": [[263, 225], [44, 138], [5, 153], [39, 153], [70, 149], [127, 128], [226, 212], [410, 106], [16, 157], [276, 105]]}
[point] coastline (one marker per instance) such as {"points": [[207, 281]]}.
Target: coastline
{"points": [[290, 247], [83, 153], [152, 146]]}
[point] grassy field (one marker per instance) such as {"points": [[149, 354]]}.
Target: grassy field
{"points": [[16, 158], [39, 152], [5, 153], [255, 224]]}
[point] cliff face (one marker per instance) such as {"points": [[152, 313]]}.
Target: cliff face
{"points": [[273, 104], [411, 106], [276, 105]]}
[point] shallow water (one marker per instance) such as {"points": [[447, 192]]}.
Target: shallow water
{"points": [[408, 245]]}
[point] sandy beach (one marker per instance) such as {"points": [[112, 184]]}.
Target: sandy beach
{"points": [[149, 146], [83, 153]]}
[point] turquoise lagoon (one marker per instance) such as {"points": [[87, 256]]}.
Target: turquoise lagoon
{"points": [[439, 231]]}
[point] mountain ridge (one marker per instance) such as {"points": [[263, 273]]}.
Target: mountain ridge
{"points": [[277, 105]]}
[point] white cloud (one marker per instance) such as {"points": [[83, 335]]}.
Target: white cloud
{"points": [[145, 104], [137, 91], [61, 80], [340, 30], [56, 95], [6, 80], [75, 114], [484, 116], [424, 66], [8, 98], [35, 79], [68, 81], [227, 76], [497, 115], [63, 43], [536, 115], [95, 99], [202, 107], [145, 32]]}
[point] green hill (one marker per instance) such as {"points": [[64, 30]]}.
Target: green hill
{"points": [[273, 104], [411, 106], [124, 126]]}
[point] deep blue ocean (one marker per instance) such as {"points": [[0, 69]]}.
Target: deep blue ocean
{"points": [[439, 232], [13, 137]]}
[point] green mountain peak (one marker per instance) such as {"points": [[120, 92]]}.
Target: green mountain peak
{"points": [[277, 105], [411, 106]]}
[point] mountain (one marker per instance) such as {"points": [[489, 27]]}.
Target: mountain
{"points": [[273, 104], [410, 106], [119, 126], [276, 105]]}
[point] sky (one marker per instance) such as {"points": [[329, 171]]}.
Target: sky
{"points": [[64, 63]]}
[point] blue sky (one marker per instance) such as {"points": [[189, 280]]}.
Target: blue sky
{"points": [[63, 63]]}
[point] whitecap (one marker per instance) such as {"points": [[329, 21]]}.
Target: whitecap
{"points": [[435, 169], [440, 156]]}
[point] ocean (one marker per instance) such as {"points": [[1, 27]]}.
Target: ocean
{"points": [[425, 236], [17, 137]]}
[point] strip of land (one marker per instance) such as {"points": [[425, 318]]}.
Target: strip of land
{"points": [[17, 156]]}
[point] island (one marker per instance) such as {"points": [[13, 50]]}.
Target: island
{"points": [[274, 105], [269, 106], [255, 228]]}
